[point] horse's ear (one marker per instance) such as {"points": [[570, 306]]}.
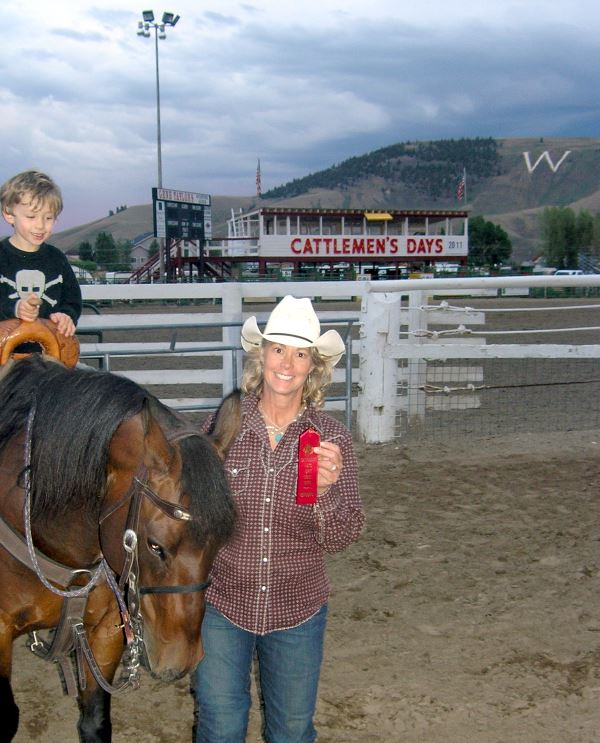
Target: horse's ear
{"points": [[228, 423]]}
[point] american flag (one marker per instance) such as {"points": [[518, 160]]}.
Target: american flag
{"points": [[460, 189], [258, 183]]}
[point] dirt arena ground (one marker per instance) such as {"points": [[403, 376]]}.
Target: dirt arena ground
{"points": [[469, 611]]}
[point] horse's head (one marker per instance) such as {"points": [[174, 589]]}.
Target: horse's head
{"points": [[185, 514]]}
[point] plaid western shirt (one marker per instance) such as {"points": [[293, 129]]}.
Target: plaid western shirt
{"points": [[271, 575]]}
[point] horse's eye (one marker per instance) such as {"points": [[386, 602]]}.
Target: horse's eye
{"points": [[156, 549]]}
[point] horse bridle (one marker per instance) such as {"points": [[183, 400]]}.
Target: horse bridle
{"points": [[174, 511]]}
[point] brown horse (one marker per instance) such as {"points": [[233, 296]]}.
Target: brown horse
{"points": [[113, 497]]}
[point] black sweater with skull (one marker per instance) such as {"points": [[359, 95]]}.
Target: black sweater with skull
{"points": [[46, 272]]}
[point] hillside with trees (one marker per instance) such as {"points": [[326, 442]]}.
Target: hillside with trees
{"points": [[432, 169]]}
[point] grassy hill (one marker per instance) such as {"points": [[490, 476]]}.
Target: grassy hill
{"points": [[421, 175]]}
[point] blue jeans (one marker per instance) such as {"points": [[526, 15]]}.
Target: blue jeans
{"points": [[289, 663]]}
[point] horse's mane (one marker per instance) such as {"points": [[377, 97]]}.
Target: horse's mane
{"points": [[77, 413]]}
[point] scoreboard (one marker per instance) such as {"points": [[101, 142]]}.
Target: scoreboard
{"points": [[181, 215]]}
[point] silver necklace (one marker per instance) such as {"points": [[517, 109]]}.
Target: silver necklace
{"points": [[275, 430]]}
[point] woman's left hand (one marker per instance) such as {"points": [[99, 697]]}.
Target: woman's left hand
{"points": [[330, 464]]}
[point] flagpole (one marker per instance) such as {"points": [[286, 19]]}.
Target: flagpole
{"points": [[465, 182]]}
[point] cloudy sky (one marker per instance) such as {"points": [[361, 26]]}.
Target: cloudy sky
{"points": [[300, 84]]}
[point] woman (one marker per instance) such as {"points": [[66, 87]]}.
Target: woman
{"points": [[269, 589]]}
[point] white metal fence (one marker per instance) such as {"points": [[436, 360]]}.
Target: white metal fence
{"points": [[423, 356], [419, 353]]}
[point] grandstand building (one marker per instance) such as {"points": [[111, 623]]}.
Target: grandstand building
{"points": [[326, 243]]}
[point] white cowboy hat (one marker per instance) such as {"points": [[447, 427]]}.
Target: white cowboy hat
{"points": [[293, 322]]}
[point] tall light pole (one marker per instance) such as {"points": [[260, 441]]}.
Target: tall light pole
{"points": [[144, 26]]}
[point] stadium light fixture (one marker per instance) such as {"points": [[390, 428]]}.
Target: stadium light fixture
{"points": [[170, 19], [144, 26], [144, 29]]}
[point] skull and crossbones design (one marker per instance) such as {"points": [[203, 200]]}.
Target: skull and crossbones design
{"points": [[30, 281]]}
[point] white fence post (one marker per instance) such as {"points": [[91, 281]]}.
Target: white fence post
{"points": [[377, 399]]}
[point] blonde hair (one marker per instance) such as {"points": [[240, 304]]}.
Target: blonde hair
{"points": [[314, 387], [39, 187]]}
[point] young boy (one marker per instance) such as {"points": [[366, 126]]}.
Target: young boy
{"points": [[36, 279]]}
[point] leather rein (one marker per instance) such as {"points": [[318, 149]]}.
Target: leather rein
{"points": [[69, 636]]}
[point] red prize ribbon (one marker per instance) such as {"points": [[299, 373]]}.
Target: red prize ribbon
{"points": [[308, 467]]}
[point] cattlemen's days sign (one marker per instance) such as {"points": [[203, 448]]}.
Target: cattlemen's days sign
{"points": [[356, 246]]}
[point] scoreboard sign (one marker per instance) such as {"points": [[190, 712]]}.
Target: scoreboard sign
{"points": [[181, 215]]}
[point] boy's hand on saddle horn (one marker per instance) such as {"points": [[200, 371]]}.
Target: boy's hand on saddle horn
{"points": [[28, 309], [63, 322]]}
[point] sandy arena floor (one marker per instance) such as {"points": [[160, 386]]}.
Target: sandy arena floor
{"points": [[469, 610]]}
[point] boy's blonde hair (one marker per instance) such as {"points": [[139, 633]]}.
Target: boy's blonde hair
{"points": [[31, 183]]}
